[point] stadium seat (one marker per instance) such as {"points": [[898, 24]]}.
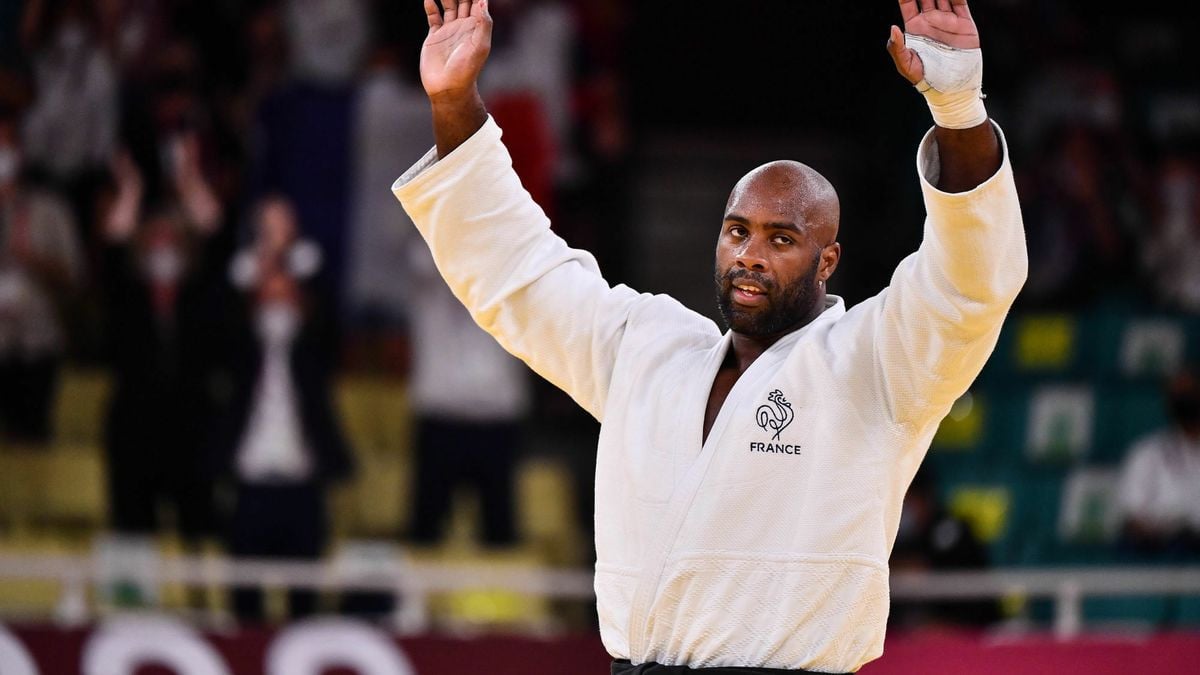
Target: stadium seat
{"points": [[1088, 513], [1045, 343], [1033, 536], [484, 607], [377, 423], [79, 408], [76, 489], [1126, 412], [985, 507], [1061, 421], [61, 486], [1125, 613], [1152, 348], [1187, 610], [964, 428], [545, 513]]}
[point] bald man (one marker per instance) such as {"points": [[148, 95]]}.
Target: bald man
{"points": [[748, 482]]}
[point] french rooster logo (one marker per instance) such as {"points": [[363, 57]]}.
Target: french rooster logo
{"points": [[776, 414]]}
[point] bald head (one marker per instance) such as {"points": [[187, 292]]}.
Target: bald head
{"points": [[796, 192], [777, 248]]}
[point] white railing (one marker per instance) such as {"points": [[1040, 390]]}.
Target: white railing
{"points": [[415, 581]]}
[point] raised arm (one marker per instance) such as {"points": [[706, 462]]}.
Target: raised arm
{"points": [[543, 301], [458, 44], [936, 325], [943, 32]]}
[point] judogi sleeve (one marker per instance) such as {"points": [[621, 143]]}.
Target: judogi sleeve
{"points": [[941, 315], [545, 302]]}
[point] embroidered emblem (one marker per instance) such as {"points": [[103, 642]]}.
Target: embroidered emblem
{"points": [[776, 414]]}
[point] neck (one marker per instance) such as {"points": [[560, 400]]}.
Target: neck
{"points": [[747, 348]]}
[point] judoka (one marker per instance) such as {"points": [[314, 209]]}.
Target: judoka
{"points": [[748, 482]]}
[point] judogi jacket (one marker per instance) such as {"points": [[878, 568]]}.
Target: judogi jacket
{"points": [[767, 544]]}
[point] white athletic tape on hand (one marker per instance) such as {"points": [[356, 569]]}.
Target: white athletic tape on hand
{"points": [[953, 84]]}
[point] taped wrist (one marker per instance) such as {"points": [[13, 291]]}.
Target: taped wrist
{"points": [[953, 84]]}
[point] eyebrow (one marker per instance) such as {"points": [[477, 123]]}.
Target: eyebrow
{"points": [[781, 225]]}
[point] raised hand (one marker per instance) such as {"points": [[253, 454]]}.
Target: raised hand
{"points": [[459, 40], [946, 21]]}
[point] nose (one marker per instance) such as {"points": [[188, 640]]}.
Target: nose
{"points": [[749, 256]]}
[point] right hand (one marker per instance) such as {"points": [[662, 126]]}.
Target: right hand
{"points": [[456, 48]]}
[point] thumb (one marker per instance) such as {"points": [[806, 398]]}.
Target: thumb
{"points": [[908, 63], [895, 43]]}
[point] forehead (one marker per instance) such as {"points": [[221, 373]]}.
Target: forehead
{"points": [[768, 199]]}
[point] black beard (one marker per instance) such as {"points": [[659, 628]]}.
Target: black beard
{"points": [[783, 311]]}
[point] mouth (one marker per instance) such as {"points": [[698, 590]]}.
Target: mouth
{"points": [[748, 294]]}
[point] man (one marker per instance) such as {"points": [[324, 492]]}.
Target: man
{"points": [[278, 439], [749, 485], [1158, 493], [41, 268]]}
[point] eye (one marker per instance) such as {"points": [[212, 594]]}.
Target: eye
{"points": [[782, 239], [737, 231]]}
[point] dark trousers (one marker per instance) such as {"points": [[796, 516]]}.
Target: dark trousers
{"points": [[285, 521], [623, 667], [27, 389], [481, 455], [139, 483]]}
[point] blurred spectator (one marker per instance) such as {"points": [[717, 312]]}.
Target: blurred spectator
{"points": [[279, 437], [266, 53], [391, 127], [1159, 489], [160, 283], [1171, 252], [41, 265], [470, 398], [135, 32], [532, 54], [303, 145], [163, 112], [932, 539], [1081, 212], [328, 37], [528, 88], [71, 129]]}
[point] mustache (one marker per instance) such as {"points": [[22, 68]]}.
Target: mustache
{"points": [[735, 276]]}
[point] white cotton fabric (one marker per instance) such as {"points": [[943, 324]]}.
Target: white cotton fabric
{"points": [[725, 553]]}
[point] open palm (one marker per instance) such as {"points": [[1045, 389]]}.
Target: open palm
{"points": [[946, 21], [459, 40]]}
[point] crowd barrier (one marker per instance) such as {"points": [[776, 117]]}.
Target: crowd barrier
{"points": [[79, 639]]}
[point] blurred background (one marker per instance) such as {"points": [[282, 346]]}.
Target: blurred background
{"points": [[238, 405]]}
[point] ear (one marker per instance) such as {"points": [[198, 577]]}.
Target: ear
{"points": [[830, 256]]}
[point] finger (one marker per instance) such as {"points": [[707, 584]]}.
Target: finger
{"points": [[960, 8], [483, 36], [464, 8], [908, 10], [450, 12], [895, 43], [907, 63], [943, 5], [433, 14], [927, 5]]}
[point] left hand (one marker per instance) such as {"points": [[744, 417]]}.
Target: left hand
{"points": [[946, 21]]}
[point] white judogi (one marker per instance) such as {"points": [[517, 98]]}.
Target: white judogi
{"points": [[766, 545]]}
